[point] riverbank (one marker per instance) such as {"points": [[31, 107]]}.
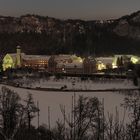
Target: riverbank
{"points": [[75, 90]]}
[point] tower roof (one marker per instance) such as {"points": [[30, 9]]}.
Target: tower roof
{"points": [[18, 47]]}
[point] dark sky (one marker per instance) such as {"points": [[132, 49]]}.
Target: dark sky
{"points": [[64, 9]]}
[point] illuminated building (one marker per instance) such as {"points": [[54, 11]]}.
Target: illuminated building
{"points": [[89, 65], [124, 58], [12, 60], [71, 64], [35, 61], [65, 64], [18, 60], [104, 63]]}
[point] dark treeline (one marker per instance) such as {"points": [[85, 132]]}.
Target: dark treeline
{"points": [[85, 121], [90, 43]]}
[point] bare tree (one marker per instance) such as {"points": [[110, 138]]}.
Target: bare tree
{"points": [[85, 114], [59, 131], [11, 113], [114, 127], [30, 110], [132, 103]]}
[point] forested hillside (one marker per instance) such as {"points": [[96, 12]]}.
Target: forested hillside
{"points": [[45, 35]]}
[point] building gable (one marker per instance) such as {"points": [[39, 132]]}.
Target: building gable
{"points": [[8, 61]]}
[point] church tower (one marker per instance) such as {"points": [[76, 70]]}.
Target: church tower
{"points": [[18, 57]]}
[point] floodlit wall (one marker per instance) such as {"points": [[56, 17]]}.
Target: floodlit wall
{"points": [[8, 62]]}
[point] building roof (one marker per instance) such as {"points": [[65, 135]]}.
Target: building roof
{"points": [[36, 57], [69, 61], [105, 60], [66, 58], [29, 57], [13, 55]]}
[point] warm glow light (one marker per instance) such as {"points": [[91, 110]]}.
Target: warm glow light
{"points": [[80, 60], [134, 60], [101, 66], [114, 66], [8, 62]]}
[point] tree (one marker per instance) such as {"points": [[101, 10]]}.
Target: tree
{"points": [[11, 113], [132, 103], [30, 110], [59, 132], [114, 128], [84, 117]]}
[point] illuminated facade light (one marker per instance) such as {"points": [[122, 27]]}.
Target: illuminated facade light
{"points": [[81, 60], [8, 62], [114, 66], [101, 66], [134, 60]]}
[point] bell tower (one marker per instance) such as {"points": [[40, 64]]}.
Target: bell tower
{"points": [[18, 56]]}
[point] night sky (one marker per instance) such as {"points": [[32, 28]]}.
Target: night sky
{"points": [[64, 9]]}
